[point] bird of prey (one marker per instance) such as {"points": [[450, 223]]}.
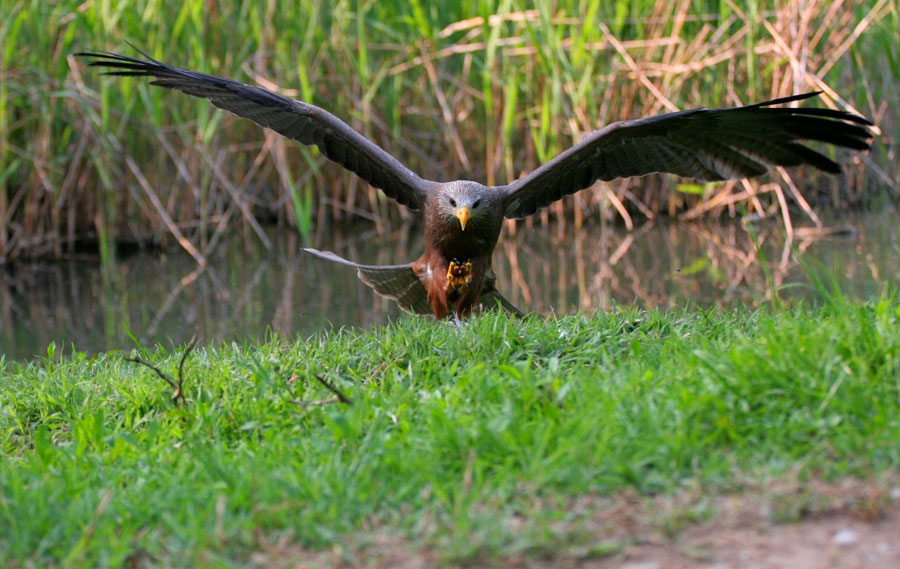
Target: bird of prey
{"points": [[463, 218]]}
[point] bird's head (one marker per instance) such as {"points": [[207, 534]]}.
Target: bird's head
{"points": [[468, 202]]}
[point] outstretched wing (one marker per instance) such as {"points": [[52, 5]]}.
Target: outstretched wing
{"points": [[705, 144], [294, 119], [397, 282], [400, 283], [492, 299]]}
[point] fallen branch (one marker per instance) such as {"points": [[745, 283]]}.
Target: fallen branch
{"points": [[341, 397], [338, 398], [178, 394]]}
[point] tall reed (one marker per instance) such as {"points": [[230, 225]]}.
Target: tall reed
{"points": [[472, 89]]}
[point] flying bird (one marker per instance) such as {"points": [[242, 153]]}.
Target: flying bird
{"points": [[463, 218]]}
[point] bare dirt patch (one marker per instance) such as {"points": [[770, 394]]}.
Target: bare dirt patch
{"points": [[787, 524], [849, 525]]}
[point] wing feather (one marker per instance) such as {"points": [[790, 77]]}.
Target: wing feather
{"points": [[305, 123], [705, 144], [397, 282]]}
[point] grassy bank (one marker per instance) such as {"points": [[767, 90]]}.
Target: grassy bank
{"points": [[473, 89], [474, 442]]}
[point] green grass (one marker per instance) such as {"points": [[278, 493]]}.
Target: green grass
{"points": [[452, 432]]}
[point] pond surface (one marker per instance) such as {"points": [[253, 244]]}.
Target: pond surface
{"points": [[248, 290]]}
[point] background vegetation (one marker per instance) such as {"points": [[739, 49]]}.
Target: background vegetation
{"points": [[478, 89]]}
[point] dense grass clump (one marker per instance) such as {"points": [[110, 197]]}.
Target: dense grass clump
{"points": [[452, 432]]}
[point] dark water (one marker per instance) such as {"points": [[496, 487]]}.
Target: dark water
{"points": [[248, 290]]}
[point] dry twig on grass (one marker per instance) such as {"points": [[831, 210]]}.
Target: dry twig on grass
{"points": [[178, 394], [339, 396]]}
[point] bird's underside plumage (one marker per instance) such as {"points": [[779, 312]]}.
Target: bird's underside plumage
{"points": [[704, 144], [402, 284]]}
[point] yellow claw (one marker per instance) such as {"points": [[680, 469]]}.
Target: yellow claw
{"points": [[463, 215], [459, 275]]}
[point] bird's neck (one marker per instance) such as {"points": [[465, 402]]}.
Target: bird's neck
{"points": [[447, 237]]}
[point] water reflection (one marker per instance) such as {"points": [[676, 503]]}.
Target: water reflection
{"points": [[248, 290]]}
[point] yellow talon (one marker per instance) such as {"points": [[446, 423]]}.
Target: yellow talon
{"points": [[459, 275]]}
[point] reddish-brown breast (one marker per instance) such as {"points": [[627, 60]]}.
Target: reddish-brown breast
{"points": [[446, 294], [468, 249]]}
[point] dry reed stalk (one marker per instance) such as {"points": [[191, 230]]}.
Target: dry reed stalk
{"points": [[237, 196], [183, 241], [600, 75], [447, 115], [663, 100]]}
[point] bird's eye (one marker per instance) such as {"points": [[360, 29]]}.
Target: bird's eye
{"points": [[452, 202], [476, 204]]}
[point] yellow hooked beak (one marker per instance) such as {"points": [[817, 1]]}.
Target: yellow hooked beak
{"points": [[463, 215]]}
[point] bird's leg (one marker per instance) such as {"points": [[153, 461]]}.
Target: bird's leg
{"points": [[459, 275]]}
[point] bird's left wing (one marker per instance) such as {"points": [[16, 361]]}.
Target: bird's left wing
{"points": [[704, 144], [305, 123], [492, 299]]}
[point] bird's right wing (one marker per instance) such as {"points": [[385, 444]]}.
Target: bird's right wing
{"points": [[704, 144], [305, 123], [397, 282]]}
